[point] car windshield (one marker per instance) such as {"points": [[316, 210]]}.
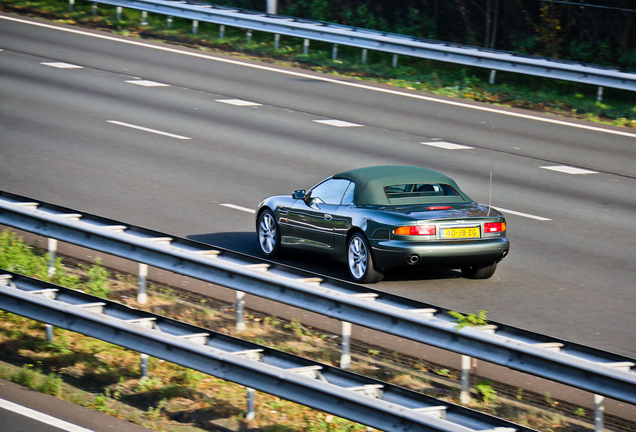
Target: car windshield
{"points": [[419, 190]]}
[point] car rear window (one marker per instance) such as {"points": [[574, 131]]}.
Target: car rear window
{"points": [[419, 190]]}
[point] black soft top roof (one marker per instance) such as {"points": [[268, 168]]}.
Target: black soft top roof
{"points": [[371, 181]]}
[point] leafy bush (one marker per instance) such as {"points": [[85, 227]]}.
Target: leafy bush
{"points": [[470, 320], [19, 257]]}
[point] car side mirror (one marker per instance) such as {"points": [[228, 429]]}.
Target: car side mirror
{"points": [[298, 194]]}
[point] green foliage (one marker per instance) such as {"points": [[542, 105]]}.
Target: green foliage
{"points": [[485, 391], [443, 372], [148, 384], [26, 376], [101, 404], [470, 320], [323, 423], [51, 385], [189, 377], [296, 327], [154, 414], [97, 283], [18, 257], [548, 398]]}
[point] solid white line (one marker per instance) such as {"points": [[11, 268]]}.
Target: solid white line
{"points": [[41, 417], [503, 210], [235, 207], [158, 132], [330, 80]]}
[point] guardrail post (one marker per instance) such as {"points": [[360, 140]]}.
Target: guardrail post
{"points": [[276, 41], [306, 46], [599, 94], [52, 253], [334, 52], [142, 296], [143, 365], [118, 11], [144, 18], [251, 413], [364, 55], [599, 410], [272, 6], [492, 76], [94, 10], [240, 306], [195, 26], [345, 357], [464, 395], [249, 37], [395, 60], [170, 22], [49, 332], [221, 31]]}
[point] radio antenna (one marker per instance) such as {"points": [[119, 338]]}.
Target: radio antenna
{"points": [[492, 151]]}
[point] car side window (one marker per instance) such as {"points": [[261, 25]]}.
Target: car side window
{"points": [[347, 199], [330, 191]]}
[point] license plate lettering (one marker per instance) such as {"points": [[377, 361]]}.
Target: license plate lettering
{"points": [[460, 233]]}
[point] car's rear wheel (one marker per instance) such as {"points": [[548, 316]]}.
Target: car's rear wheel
{"points": [[479, 271], [360, 260], [268, 234]]}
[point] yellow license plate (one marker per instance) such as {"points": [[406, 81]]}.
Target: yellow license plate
{"points": [[460, 233]]}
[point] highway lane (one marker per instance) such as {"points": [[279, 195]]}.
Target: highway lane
{"points": [[569, 274]]}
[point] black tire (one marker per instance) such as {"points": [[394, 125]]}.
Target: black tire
{"points": [[360, 260], [268, 234], [479, 271]]}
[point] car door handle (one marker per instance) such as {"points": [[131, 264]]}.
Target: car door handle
{"points": [[328, 217]]}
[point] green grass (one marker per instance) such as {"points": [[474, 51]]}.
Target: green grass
{"points": [[445, 79]]}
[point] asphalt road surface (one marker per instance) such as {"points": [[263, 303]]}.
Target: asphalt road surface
{"points": [[188, 143]]}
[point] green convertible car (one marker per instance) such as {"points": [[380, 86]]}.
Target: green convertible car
{"points": [[386, 217]]}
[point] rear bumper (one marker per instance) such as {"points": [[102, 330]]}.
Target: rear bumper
{"points": [[397, 253]]}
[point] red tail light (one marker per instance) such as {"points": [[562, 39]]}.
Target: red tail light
{"points": [[438, 208], [426, 230], [491, 227]]}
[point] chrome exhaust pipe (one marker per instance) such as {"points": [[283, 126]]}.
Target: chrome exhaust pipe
{"points": [[412, 259]]}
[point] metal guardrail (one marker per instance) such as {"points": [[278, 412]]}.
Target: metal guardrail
{"points": [[590, 369], [355, 397], [388, 42]]}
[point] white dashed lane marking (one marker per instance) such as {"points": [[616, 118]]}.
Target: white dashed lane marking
{"points": [[60, 65], [526, 215], [446, 145], [338, 123], [235, 207], [147, 83], [145, 129], [238, 102], [569, 170]]}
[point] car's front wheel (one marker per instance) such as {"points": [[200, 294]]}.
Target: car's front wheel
{"points": [[479, 271], [360, 261], [268, 234]]}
